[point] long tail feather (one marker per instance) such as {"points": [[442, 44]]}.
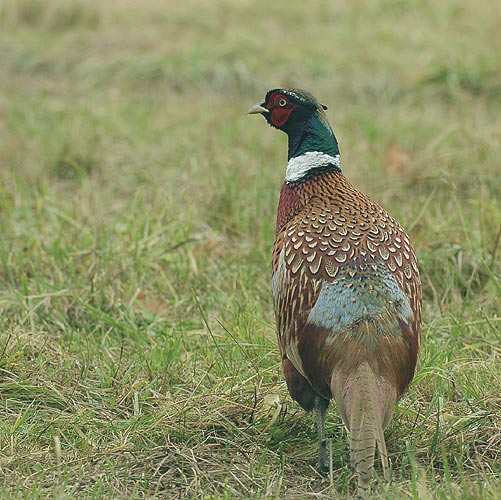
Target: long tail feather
{"points": [[367, 409]]}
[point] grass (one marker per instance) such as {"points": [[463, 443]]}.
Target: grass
{"points": [[137, 205]]}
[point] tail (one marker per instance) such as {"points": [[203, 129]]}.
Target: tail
{"points": [[368, 399]]}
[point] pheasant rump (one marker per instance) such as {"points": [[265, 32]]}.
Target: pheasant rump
{"points": [[346, 288]]}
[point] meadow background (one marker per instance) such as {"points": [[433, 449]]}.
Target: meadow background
{"points": [[137, 209]]}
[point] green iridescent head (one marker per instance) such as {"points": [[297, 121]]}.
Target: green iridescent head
{"points": [[302, 117]]}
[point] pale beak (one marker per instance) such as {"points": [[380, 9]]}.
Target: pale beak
{"points": [[258, 109]]}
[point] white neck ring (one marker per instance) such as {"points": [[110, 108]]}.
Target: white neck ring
{"points": [[299, 166]]}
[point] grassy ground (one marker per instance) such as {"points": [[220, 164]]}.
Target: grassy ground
{"points": [[137, 205]]}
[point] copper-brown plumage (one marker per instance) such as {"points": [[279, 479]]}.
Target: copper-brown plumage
{"points": [[346, 288]]}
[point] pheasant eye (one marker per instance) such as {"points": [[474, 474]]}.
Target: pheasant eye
{"points": [[282, 102]]}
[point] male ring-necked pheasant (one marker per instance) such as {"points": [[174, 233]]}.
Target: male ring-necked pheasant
{"points": [[346, 287]]}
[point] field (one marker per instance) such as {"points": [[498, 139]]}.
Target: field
{"points": [[137, 209]]}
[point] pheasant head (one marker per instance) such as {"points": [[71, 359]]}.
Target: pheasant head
{"points": [[312, 143]]}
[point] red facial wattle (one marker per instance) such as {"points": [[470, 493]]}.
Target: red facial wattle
{"points": [[280, 108], [279, 116]]}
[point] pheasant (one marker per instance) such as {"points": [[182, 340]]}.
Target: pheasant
{"points": [[345, 285]]}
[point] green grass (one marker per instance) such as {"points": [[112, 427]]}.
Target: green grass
{"points": [[137, 207]]}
